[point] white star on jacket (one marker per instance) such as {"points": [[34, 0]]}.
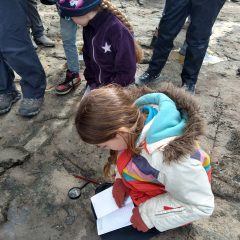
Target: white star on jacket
{"points": [[107, 47]]}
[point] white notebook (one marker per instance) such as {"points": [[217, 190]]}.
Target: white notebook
{"points": [[109, 216]]}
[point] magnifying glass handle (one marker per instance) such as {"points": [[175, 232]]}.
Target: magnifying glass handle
{"points": [[87, 179], [84, 185]]}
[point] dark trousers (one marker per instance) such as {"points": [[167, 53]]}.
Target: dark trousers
{"points": [[34, 19], [126, 233], [203, 14], [17, 52]]}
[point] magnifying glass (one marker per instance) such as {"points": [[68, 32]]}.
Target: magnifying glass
{"points": [[75, 192]]}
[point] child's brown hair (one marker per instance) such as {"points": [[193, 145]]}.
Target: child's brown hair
{"points": [[105, 110]]}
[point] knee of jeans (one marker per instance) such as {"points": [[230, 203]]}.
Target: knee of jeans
{"points": [[68, 38], [198, 43], [69, 46], [163, 42]]}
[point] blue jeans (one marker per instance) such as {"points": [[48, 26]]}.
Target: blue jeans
{"points": [[69, 32], [203, 14], [17, 52]]}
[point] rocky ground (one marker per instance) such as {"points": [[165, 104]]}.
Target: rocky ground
{"points": [[39, 156]]}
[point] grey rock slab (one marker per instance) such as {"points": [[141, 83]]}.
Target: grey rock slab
{"points": [[13, 156]]}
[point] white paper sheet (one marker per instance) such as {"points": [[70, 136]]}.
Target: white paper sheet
{"points": [[115, 220], [109, 216]]}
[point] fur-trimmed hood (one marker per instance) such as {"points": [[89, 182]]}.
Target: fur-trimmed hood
{"points": [[194, 126]]}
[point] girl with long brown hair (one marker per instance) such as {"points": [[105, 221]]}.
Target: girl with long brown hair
{"points": [[152, 138], [110, 52]]}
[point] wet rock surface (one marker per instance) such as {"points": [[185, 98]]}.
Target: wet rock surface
{"points": [[39, 156]]}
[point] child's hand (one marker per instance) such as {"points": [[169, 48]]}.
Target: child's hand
{"points": [[137, 221], [119, 192]]}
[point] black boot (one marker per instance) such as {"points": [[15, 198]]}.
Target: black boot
{"points": [[147, 77]]}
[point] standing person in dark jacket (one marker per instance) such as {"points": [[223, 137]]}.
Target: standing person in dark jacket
{"points": [[203, 14], [110, 52], [17, 53]]}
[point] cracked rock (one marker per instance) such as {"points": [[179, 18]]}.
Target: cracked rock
{"points": [[12, 156], [4, 200]]}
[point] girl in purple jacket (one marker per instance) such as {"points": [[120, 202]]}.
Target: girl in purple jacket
{"points": [[110, 52]]}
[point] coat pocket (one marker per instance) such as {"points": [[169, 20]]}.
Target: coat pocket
{"points": [[168, 211]]}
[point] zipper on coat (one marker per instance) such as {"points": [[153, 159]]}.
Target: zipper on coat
{"points": [[100, 70]]}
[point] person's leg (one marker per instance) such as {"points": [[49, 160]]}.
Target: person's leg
{"points": [[8, 23], [203, 14], [130, 233], [18, 52], [155, 34], [183, 49], [174, 16], [24, 4], [68, 32], [6, 77], [35, 22], [8, 92], [21, 56]]}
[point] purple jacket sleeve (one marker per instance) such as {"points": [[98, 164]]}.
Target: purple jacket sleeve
{"points": [[88, 72], [125, 59]]}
